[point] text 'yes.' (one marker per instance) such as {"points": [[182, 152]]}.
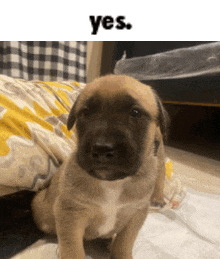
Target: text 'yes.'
{"points": [[108, 22]]}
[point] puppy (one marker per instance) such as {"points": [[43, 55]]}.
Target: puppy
{"points": [[104, 189]]}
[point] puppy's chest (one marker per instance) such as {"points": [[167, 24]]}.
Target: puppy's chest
{"points": [[112, 210]]}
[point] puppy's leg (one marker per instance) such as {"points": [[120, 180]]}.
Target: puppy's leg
{"points": [[157, 198], [43, 213], [70, 228], [123, 243]]}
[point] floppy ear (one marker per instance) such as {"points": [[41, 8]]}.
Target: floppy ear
{"points": [[163, 118], [72, 115], [71, 119]]}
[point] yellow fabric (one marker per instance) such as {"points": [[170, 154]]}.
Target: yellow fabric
{"points": [[14, 120], [33, 128], [169, 169]]}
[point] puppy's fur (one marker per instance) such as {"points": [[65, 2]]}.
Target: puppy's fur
{"points": [[105, 187]]}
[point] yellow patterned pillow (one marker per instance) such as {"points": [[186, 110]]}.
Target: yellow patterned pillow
{"points": [[34, 138]]}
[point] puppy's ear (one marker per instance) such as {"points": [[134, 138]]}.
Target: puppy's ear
{"points": [[163, 118], [72, 115]]}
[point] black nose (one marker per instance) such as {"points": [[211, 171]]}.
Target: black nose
{"points": [[103, 152]]}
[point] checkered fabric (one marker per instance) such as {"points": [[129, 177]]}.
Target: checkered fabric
{"points": [[44, 60]]}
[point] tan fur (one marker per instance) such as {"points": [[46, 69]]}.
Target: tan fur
{"points": [[76, 206]]}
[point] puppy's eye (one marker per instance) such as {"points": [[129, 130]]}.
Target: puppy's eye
{"points": [[135, 112]]}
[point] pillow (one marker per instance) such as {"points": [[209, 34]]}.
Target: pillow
{"points": [[34, 139]]}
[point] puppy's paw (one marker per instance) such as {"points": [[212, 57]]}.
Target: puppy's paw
{"points": [[113, 257], [158, 203], [119, 255]]}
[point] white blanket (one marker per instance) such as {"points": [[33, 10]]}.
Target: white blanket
{"points": [[191, 231]]}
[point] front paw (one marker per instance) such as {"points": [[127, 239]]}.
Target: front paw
{"points": [[158, 202], [121, 257]]}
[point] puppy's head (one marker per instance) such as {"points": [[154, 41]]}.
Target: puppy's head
{"points": [[116, 118]]}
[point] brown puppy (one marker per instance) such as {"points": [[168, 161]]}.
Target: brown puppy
{"points": [[104, 188]]}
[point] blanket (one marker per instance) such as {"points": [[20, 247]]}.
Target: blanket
{"points": [[191, 231], [34, 139]]}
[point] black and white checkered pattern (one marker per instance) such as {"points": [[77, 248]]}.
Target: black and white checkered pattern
{"points": [[44, 60]]}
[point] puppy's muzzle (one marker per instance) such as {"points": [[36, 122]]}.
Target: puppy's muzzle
{"points": [[108, 155], [103, 152]]}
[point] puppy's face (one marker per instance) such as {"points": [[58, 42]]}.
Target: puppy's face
{"points": [[112, 125]]}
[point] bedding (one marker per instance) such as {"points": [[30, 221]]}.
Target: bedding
{"points": [[34, 139]]}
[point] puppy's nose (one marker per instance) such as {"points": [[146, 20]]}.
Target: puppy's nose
{"points": [[103, 151]]}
